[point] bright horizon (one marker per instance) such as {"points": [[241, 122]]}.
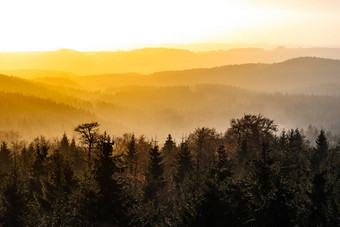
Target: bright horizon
{"points": [[41, 25]]}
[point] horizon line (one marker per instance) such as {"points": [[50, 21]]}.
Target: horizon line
{"points": [[195, 47]]}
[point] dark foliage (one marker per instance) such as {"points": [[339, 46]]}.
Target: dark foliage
{"points": [[249, 177]]}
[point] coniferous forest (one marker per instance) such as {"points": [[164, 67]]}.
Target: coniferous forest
{"points": [[249, 175], [170, 113]]}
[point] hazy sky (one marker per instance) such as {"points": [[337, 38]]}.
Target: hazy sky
{"points": [[114, 24]]}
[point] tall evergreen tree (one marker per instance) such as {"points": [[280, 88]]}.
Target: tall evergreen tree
{"points": [[168, 155], [294, 165], [320, 195], [320, 153], [184, 163], [168, 149], [107, 165], [131, 156], [38, 170], [76, 157], [154, 179], [223, 165], [65, 146], [13, 203], [5, 157], [58, 185], [271, 197]]}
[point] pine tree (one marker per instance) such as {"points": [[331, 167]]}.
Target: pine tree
{"points": [[38, 171], [5, 157], [107, 165], [320, 153], [154, 179], [65, 146], [168, 155], [184, 163], [320, 194], [294, 165], [35, 183], [223, 165], [131, 156], [76, 157], [270, 195], [12, 199], [57, 189], [168, 149]]}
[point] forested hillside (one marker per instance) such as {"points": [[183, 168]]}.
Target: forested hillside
{"points": [[291, 76], [246, 176], [30, 115], [170, 113], [296, 93]]}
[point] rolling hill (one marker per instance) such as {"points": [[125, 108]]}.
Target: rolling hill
{"points": [[148, 60], [295, 93], [291, 76], [32, 116]]}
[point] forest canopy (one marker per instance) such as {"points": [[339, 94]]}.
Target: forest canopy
{"points": [[249, 175]]}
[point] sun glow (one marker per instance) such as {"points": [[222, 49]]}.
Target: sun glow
{"points": [[108, 25], [86, 25]]}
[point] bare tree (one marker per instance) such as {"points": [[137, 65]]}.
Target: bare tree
{"points": [[89, 134]]}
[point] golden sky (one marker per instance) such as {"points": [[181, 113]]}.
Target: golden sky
{"points": [[120, 24]]}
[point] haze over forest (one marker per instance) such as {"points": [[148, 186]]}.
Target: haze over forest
{"points": [[156, 91], [170, 113]]}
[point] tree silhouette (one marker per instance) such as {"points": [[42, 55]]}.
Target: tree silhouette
{"points": [[154, 174], [111, 209], [5, 157], [320, 194], [265, 180], [13, 200], [65, 146], [184, 163], [131, 156], [89, 134]]}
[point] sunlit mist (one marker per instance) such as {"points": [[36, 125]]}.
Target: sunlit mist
{"points": [[111, 25]]}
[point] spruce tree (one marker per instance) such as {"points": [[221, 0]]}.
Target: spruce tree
{"points": [[131, 156], [320, 194], [58, 185], [76, 157], [65, 146], [154, 179], [168, 149], [168, 155], [184, 163], [223, 165], [271, 197], [12, 199], [107, 166], [5, 157]]}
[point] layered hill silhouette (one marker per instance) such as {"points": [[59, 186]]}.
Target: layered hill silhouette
{"points": [[295, 92], [32, 116], [149, 60], [307, 75]]}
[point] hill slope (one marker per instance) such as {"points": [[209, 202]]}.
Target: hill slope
{"points": [[289, 76], [149, 60], [176, 101], [33, 116]]}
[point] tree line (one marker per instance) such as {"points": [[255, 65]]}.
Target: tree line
{"points": [[248, 176]]}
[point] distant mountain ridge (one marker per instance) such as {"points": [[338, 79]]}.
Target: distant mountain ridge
{"points": [[150, 60], [296, 93], [288, 76]]}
